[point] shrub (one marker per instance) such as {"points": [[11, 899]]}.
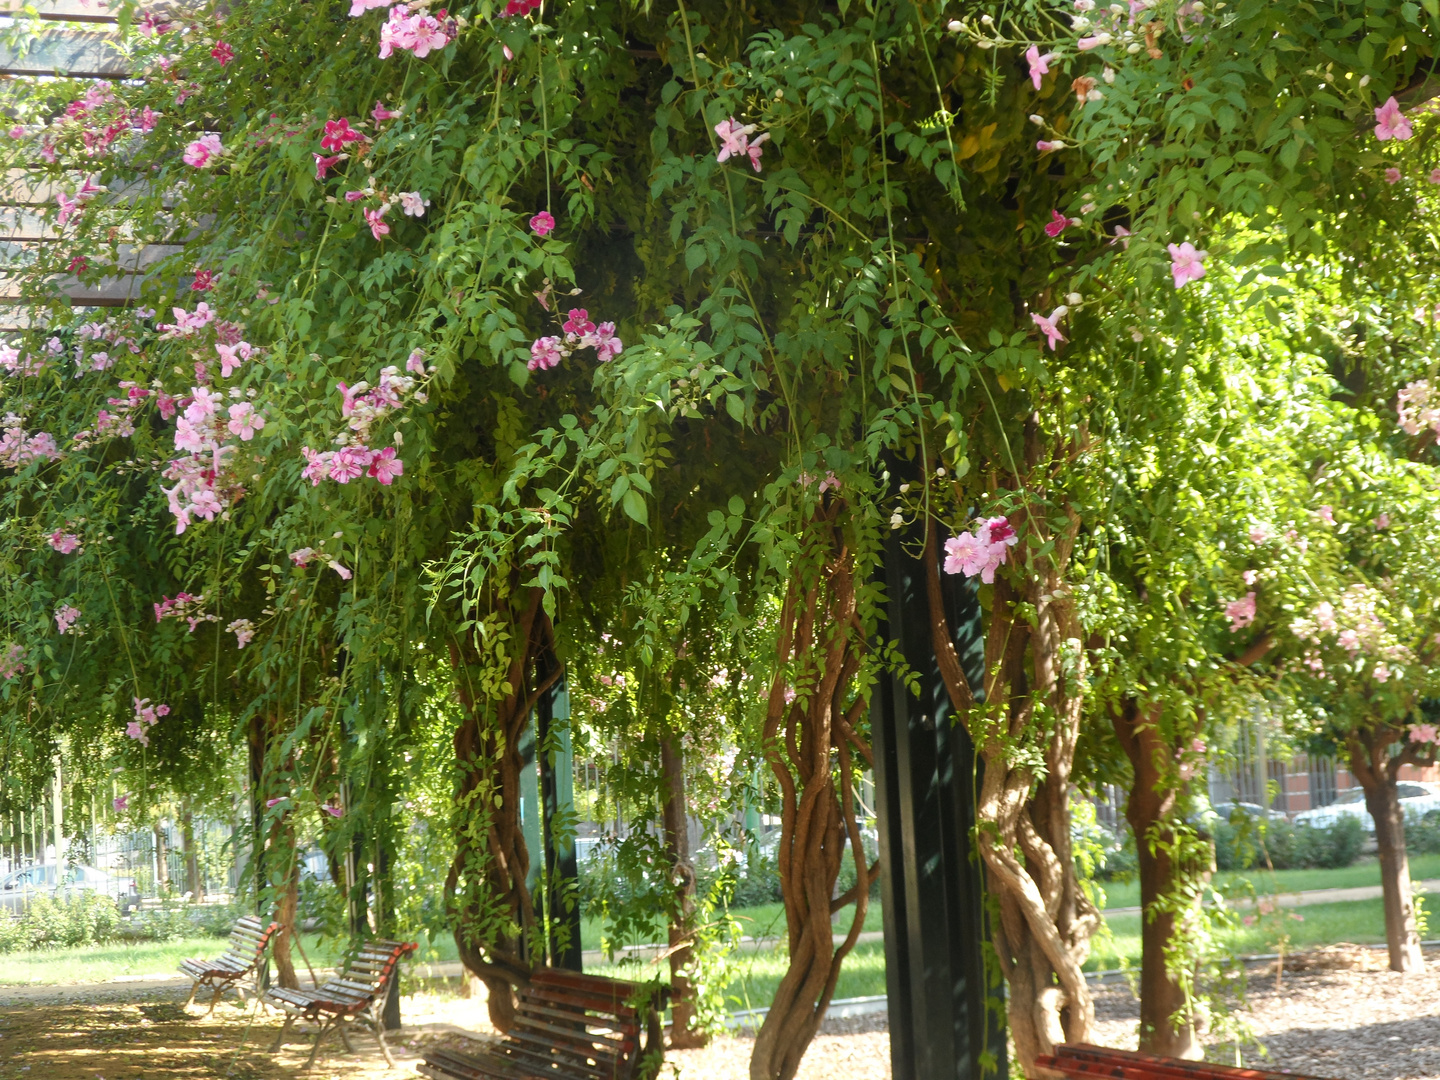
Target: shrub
{"points": [[1240, 845], [57, 923]]}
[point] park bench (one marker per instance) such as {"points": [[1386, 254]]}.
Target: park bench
{"points": [[1082, 1061], [248, 941], [356, 995], [567, 1026]]}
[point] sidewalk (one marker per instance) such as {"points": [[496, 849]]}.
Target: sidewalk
{"points": [[1315, 896]]}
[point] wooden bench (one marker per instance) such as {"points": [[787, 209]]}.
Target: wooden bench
{"points": [[1082, 1061], [567, 1026], [356, 995], [248, 942]]}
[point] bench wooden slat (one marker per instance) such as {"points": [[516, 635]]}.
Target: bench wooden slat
{"points": [[553, 1063], [448, 1064], [1086, 1061], [545, 1038]]}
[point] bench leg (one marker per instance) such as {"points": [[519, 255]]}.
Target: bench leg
{"points": [[284, 1030], [215, 998], [344, 1036], [195, 986], [314, 1050], [384, 1048]]}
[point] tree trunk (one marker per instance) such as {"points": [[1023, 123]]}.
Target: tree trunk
{"points": [[810, 738], [285, 911], [1034, 666], [683, 1034], [487, 883], [162, 861], [1375, 768], [193, 885], [1166, 1027]]}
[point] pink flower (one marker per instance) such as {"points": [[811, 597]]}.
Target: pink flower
{"points": [[385, 466], [68, 208], [1085, 44], [413, 204], [270, 804], [380, 113], [244, 631], [64, 542], [1258, 534], [349, 464], [204, 280], [1349, 641], [147, 119], [359, 7], [542, 224], [121, 803], [578, 322], [223, 53], [1122, 237], [544, 354], [607, 345], [1045, 146], [333, 810], [1241, 613], [1382, 521], [376, 220], [337, 134], [755, 149], [232, 356], [1186, 264], [203, 151], [302, 557], [1434, 176], [355, 196], [1249, 576], [344, 573], [134, 731], [1326, 514], [1048, 327], [245, 421], [1058, 223], [1392, 175], [734, 137], [1039, 64], [1382, 673], [324, 164], [415, 364], [65, 616], [1424, 733], [1390, 122]]}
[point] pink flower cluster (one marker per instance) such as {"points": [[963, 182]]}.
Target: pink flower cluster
{"points": [[17, 448], [12, 361], [64, 542], [244, 631], [982, 551], [303, 557], [65, 616], [1417, 407], [1356, 626], [363, 406], [580, 333], [146, 717], [12, 661], [1241, 613], [735, 141], [70, 206], [1424, 733], [417, 33], [90, 125], [203, 152]]}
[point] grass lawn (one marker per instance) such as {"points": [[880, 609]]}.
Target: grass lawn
{"points": [[1120, 894], [101, 963]]}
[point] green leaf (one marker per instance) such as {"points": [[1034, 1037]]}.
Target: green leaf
{"points": [[735, 407], [634, 505]]}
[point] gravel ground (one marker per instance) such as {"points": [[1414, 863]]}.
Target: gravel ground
{"points": [[1341, 1015]]}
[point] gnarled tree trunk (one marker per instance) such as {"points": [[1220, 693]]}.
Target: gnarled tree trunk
{"points": [[1376, 769], [486, 886], [1042, 936], [810, 740]]}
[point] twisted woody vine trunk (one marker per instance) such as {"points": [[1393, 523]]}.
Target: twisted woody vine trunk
{"points": [[811, 744], [683, 1033], [1377, 770], [486, 887], [1032, 709]]}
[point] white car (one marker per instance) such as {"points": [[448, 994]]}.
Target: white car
{"points": [[1416, 799], [20, 887]]}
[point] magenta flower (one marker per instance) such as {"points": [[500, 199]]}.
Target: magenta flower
{"points": [[135, 731], [232, 356], [1241, 613], [344, 573], [270, 804], [337, 134], [376, 220], [349, 464], [755, 149], [324, 164], [385, 466], [415, 364], [607, 345], [302, 557], [520, 7], [1058, 223], [203, 151], [542, 224], [578, 322], [1049, 325], [1186, 264], [734, 137], [64, 542], [380, 113], [1039, 64], [545, 353], [333, 810], [1045, 146], [68, 207], [204, 281], [223, 53], [1390, 122], [355, 196], [1392, 175], [121, 803]]}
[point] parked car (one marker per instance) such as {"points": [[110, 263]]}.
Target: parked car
{"points": [[1226, 811], [20, 887], [1416, 800]]}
